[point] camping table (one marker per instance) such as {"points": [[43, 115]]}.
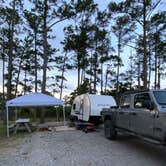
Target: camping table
{"points": [[21, 122]]}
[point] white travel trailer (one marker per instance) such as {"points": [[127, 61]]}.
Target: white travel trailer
{"points": [[87, 107]]}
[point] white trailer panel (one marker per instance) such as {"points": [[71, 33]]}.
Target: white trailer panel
{"points": [[90, 105]]}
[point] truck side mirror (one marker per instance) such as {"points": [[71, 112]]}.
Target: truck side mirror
{"points": [[114, 107], [149, 105]]}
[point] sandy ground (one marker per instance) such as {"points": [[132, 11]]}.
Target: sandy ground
{"points": [[76, 148]]}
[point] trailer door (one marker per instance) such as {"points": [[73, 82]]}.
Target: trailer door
{"points": [[86, 108]]}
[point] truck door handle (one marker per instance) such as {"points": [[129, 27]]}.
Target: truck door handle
{"points": [[133, 113], [157, 116]]}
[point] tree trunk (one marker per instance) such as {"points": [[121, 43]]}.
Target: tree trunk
{"points": [[101, 78], [78, 71], [155, 71], [139, 73], [90, 89], [95, 74], [149, 79], [63, 71], [145, 72], [10, 64], [159, 73], [3, 76], [78, 77], [45, 58], [25, 81], [36, 66], [82, 76], [18, 76], [118, 67], [155, 62], [106, 80], [95, 68], [131, 67]]}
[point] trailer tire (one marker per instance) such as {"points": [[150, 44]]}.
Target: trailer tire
{"points": [[109, 129]]}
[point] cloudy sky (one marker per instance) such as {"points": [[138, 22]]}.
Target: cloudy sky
{"points": [[72, 75]]}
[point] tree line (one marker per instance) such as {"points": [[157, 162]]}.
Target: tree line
{"points": [[94, 45]]}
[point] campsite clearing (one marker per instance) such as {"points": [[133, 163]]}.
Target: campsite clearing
{"points": [[76, 148]]}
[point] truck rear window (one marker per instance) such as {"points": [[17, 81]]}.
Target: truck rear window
{"points": [[125, 101], [160, 97]]}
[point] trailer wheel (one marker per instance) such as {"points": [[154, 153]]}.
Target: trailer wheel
{"points": [[109, 129]]}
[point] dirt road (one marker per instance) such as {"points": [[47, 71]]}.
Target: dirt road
{"points": [[76, 148]]}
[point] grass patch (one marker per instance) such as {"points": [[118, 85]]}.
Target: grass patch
{"points": [[32, 120], [2, 129]]}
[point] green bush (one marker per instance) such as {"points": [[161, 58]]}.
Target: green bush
{"points": [[55, 113], [2, 129]]}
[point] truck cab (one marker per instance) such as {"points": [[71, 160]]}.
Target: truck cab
{"points": [[142, 113]]}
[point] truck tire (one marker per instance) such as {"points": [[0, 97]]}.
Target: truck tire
{"points": [[109, 129]]}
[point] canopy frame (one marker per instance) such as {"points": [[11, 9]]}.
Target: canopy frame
{"points": [[11, 103]]}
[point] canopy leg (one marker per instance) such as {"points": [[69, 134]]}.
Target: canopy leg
{"points": [[64, 117], [7, 121]]}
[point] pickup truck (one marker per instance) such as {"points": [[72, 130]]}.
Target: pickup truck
{"points": [[141, 113]]}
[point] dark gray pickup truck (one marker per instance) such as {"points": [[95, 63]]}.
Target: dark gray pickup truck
{"points": [[141, 113]]}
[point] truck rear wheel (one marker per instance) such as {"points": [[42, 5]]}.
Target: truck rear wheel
{"points": [[109, 129]]}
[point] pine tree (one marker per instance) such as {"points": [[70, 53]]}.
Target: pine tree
{"points": [[50, 14], [78, 37], [3, 57], [102, 46], [123, 31], [139, 12], [157, 36], [11, 19], [33, 21]]}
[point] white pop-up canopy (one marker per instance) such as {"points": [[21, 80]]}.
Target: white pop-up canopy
{"points": [[33, 100]]}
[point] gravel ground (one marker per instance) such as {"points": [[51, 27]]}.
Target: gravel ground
{"points": [[76, 148]]}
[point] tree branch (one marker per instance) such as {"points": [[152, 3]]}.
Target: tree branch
{"points": [[128, 45], [137, 34], [139, 22], [153, 8], [57, 22]]}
